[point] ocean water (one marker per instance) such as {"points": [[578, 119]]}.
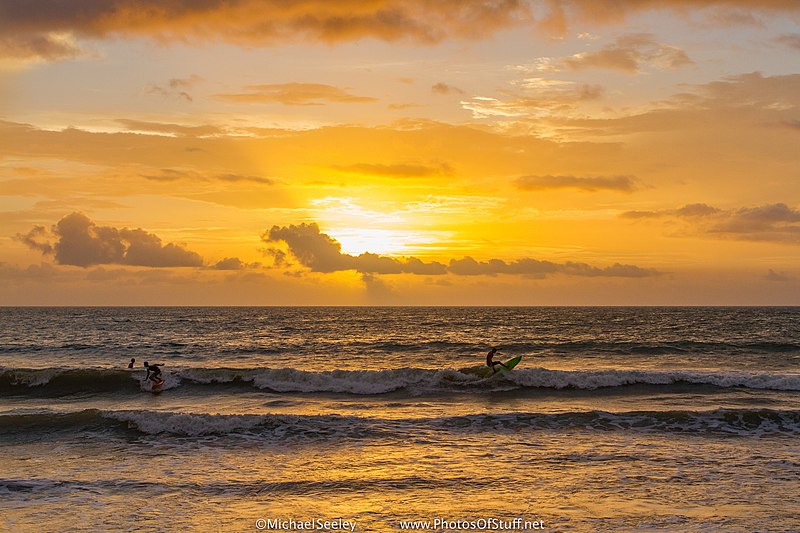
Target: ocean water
{"points": [[617, 419]]}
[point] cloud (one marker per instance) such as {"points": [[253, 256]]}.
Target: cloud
{"points": [[80, 242], [771, 222], [178, 87], [792, 40], [295, 94], [590, 184], [689, 210], [445, 89], [168, 174], [397, 170], [267, 22], [630, 53], [534, 97], [229, 263], [777, 276], [36, 240], [745, 114], [539, 269], [176, 130], [33, 48], [321, 253], [262, 22]]}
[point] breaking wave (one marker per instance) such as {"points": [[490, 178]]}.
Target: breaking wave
{"points": [[281, 427], [57, 381]]}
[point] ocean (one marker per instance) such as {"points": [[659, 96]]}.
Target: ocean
{"points": [[374, 419]]}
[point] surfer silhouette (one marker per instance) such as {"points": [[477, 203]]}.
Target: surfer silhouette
{"points": [[130, 365], [490, 363], [153, 373]]}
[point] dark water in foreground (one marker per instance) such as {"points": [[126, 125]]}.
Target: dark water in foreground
{"points": [[629, 419]]}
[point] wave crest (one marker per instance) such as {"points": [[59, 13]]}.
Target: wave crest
{"points": [[371, 382]]}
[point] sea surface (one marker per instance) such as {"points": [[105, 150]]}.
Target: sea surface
{"points": [[617, 419]]}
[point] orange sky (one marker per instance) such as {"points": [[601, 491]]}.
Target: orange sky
{"points": [[497, 152]]}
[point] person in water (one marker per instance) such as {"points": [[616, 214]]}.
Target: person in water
{"points": [[130, 365], [153, 373], [491, 363]]}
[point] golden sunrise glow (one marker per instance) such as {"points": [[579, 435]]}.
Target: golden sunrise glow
{"points": [[540, 152]]}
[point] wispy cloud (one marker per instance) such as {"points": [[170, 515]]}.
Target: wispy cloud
{"points": [[176, 87], [445, 89], [590, 184], [295, 94], [398, 170], [770, 222]]}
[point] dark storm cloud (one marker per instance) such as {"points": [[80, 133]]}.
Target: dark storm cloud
{"points": [[81, 242], [321, 253]]}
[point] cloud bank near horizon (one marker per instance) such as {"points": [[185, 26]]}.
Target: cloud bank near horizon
{"points": [[319, 252]]}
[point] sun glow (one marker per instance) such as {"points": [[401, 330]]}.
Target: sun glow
{"points": [[356, 241]]}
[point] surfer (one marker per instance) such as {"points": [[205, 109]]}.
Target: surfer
{"points": [[130, 365], [490, 363], [153, 373]]}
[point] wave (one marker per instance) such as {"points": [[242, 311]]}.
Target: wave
{"points": [[306, 428], [62, 381]]}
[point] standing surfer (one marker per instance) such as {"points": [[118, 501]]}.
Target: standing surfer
{"points": [[490, 363], [153, 373]]}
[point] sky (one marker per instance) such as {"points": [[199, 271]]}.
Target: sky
{"points": [[387, 152]]}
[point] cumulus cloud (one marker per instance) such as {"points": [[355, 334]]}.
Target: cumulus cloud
{"points": [[295, 94], [590, 184], [771, 222], [81, 242], [229, 263], [321, 253], [630, 53], [445, 89]]}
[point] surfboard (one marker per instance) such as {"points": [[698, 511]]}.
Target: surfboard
{"points": [[485, 371], [151, 386]]}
